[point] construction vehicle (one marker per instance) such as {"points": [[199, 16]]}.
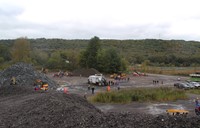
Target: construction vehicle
{"points": [[44, 86], [138, 74], [60, 74], [41, 85], [177, 112], [97, 79], [118, 76]]}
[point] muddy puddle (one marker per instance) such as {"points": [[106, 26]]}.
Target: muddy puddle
{"points": [[149, 108]]}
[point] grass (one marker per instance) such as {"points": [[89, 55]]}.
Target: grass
{"points": [[195, 79], [139, 95], [194, 91], [183, 71]]}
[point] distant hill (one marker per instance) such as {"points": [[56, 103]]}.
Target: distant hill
{"points": [[173, 52]]}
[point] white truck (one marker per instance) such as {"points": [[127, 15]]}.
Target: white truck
{"points": [[97, 79]]}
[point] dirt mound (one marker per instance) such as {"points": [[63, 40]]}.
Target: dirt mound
{"points": [[25, 74], [85, 72]]}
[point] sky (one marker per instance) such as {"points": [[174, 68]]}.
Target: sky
{"points": [[106, 19]]}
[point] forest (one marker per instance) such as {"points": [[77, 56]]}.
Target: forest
{"points": [[105, 55]]}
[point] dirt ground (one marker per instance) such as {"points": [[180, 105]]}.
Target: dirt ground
{"points": [[78, 85], [23, 107]]}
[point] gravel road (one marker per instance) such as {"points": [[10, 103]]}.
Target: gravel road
{"points": [[78, 85]]}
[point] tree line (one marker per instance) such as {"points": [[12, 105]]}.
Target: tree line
{"points": [[107, 56], [107, 61]]}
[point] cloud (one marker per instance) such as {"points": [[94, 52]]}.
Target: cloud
{"points": [[121, 19]]}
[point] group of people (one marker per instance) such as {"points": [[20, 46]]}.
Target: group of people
{"points": [[108, 86], [157, 82]]}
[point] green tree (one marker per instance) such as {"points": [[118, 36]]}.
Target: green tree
{"points": [[144, 66], [4, 53], [39, 57], [71, 59], [21, 50], [88, 58], [55, 61], [109, 61]]}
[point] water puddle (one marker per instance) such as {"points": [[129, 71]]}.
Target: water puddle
{"points": [[156, 109]]}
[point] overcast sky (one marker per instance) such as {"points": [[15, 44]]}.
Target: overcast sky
{"points": [[107, 19]]}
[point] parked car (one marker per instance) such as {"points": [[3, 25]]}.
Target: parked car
{"points": [[176, 85], [185, 86], [191, 86], [196, 84], [182, 85]]}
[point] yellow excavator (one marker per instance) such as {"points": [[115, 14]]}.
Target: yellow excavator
{"points": [[41, 85]]}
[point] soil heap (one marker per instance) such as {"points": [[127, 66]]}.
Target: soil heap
{"points": [[85, 72], [25, 75]]}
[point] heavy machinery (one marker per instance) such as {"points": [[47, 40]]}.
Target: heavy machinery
{"points": [[118, 76], [97, 79], [41, 85], [44, 86], [177, 112]]}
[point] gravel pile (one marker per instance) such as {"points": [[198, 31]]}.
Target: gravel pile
{"points": [[11, 90], [25, 75], [59, 110], [48, 110], [164, 121]]}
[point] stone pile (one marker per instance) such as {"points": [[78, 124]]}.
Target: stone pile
{"points": [[25, 75], [59, 110]]}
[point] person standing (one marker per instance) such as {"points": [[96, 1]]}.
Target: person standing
{"points": [[197, 102], [118, 87], [108, 88], [85, 95], [93, 89], [89, 87]]}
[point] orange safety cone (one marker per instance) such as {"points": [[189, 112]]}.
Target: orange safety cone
{"points": [[65, 90]]}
